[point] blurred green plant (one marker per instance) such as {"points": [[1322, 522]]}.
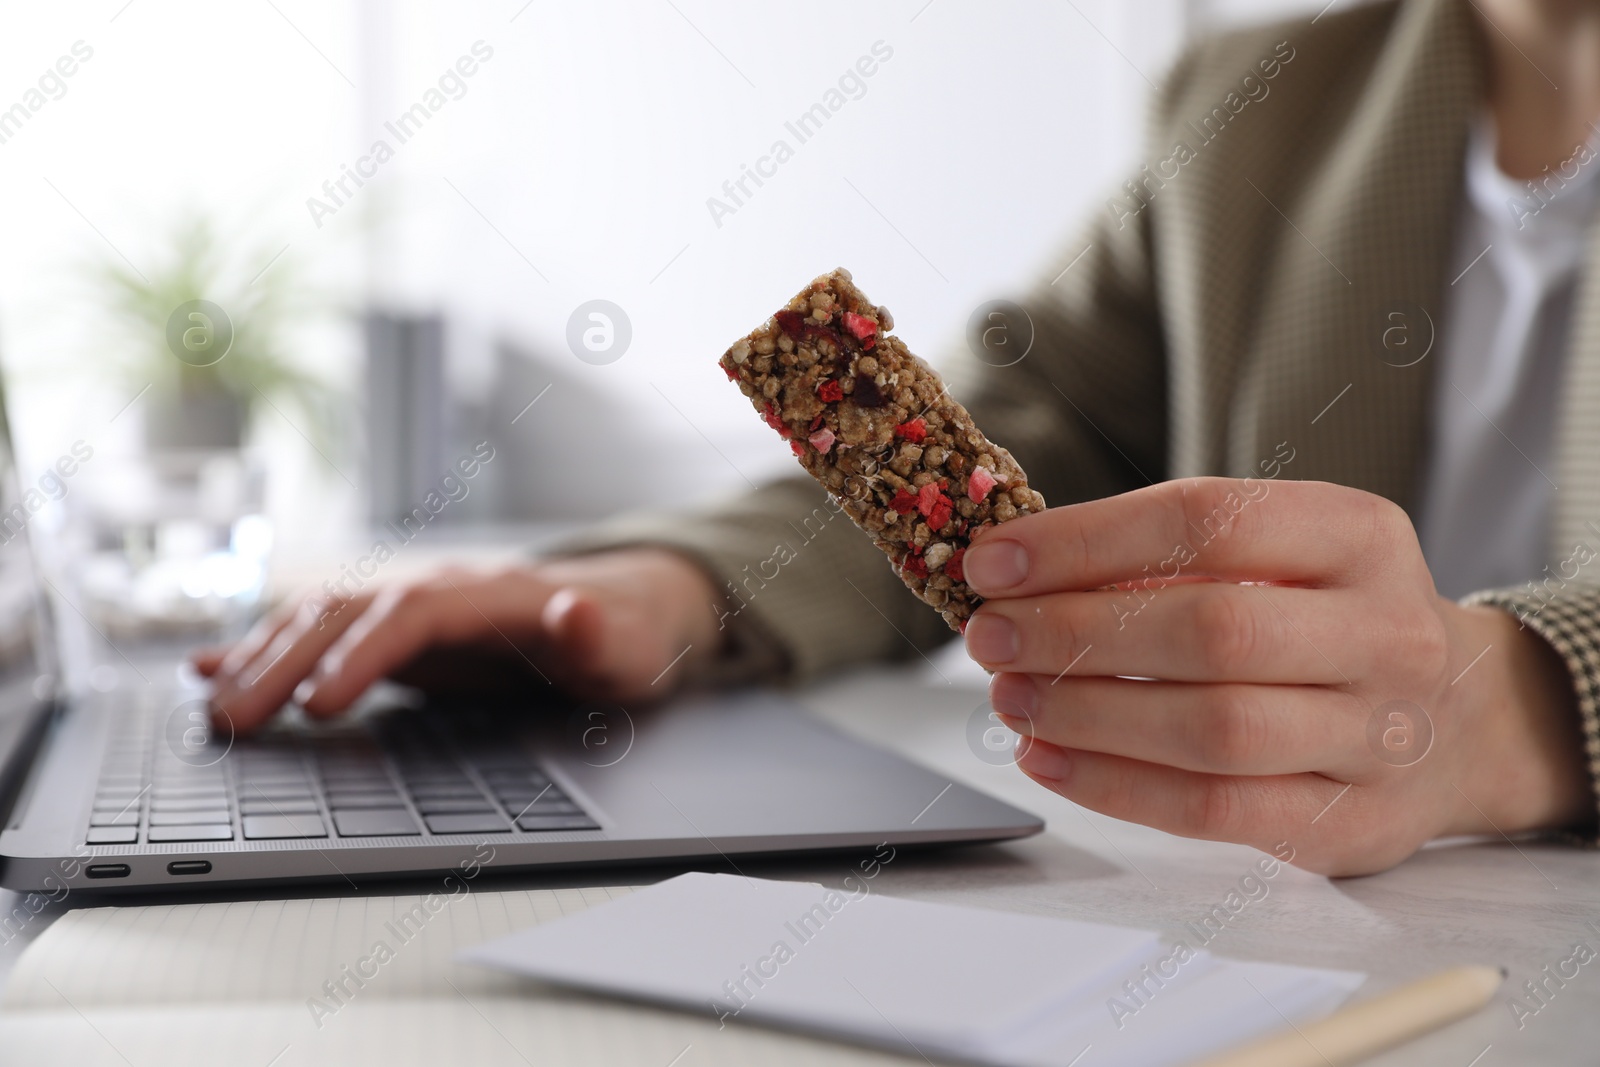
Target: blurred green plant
{"points": [[263, 299]]}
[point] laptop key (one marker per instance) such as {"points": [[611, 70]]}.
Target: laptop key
{"points": [[275, 790], [278, 807], [485, 823], [272, 775], [536, 823], [374, 822], [528, 795], [357, 783], [113, 835], [188, 818], [189, 792], [546, 807], [443, 791], [358, 787], [440, 786], [179, 774], [115, 818], [259, 827], [208, 832], [186, 804], [365, 800], [442, 772], [453, 807]]}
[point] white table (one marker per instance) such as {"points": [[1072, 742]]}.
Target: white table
{"points": [[1521, 906]]}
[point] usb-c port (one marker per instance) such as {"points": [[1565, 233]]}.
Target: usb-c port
{"points": [[107, 870], [189, 867]]}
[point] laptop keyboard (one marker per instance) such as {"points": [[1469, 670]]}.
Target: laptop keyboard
{"points": [[404, 777]]}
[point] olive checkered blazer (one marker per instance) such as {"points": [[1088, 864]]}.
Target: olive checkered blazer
{"points": [[1238, 286]]}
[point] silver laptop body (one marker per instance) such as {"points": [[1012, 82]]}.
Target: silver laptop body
{"points": [[132, 789]]}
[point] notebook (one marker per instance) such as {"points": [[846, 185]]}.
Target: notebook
{"points": [[248, 983]]}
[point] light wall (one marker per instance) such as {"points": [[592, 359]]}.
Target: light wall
{"points": [[575, 162]]}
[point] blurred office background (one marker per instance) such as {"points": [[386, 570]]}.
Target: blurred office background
{"points": [[555, 155]]}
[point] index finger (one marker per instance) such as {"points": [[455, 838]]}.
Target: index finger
{"points": [[258, 688], [1230, 529]]}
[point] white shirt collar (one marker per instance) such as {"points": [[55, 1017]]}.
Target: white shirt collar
{"points": [[1550, 207]]}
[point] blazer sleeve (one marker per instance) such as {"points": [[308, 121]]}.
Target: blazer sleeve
{"points": [[805, 592], [1569, 622]]}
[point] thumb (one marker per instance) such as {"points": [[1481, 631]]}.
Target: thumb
{"points": [[576, 627], [606, 647]]}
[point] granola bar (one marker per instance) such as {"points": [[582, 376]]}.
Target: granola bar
{"points": [[874, 424]]}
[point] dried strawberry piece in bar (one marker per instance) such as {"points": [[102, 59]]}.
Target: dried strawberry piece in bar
{"points": [[903, 502], [874, 424], [914, 430]]}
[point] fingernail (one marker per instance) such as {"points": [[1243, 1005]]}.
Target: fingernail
{"points": [[993, 566], [991, 638], [305, 691], [1013, 696], [1042, 760]]}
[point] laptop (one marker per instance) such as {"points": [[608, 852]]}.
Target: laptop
{"points": [[134, 789]]}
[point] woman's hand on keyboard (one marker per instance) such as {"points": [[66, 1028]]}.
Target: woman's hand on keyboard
{"points": [[625, 625]]}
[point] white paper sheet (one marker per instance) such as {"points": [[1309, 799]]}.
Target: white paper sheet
{"points": [[935, 980]]}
